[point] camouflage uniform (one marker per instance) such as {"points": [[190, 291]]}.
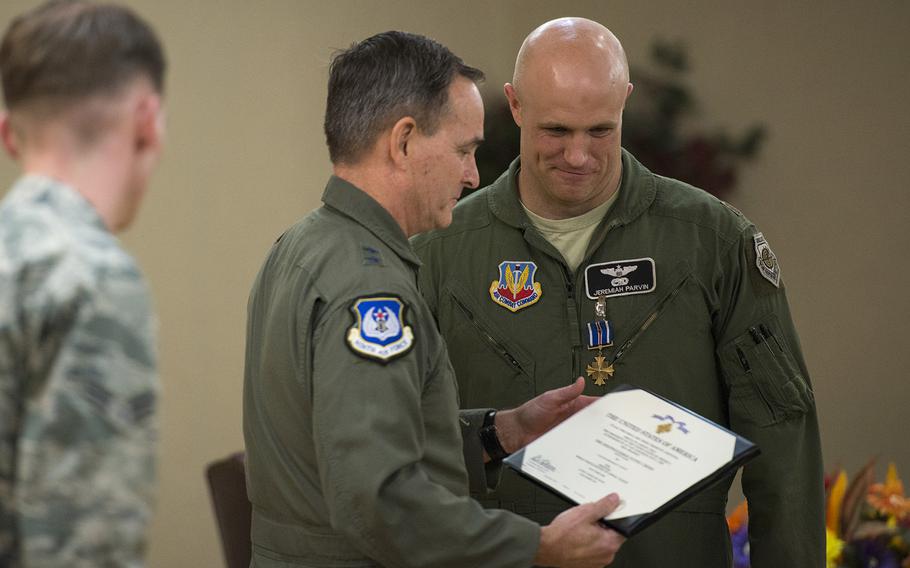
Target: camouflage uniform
{"points": [[78, 385]]}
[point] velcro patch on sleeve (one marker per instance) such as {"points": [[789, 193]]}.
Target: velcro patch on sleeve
{"points": [[766, 260], [379, 331]]}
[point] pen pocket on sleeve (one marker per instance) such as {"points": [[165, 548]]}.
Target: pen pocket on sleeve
{"points": [[766, 385]]}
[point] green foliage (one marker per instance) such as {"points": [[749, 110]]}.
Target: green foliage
{"points": [[659, 127]]}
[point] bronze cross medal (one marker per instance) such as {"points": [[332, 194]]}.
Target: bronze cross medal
{"points": [[600, 335]]}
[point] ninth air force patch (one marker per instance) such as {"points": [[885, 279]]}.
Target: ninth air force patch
{"points": [[379, 332], [766, 260]]}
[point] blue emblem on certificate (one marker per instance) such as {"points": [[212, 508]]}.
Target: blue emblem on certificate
{"points": [[379, 332], [515, 288], [668, 423]]}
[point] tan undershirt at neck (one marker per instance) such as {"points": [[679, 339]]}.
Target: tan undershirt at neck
{"points": [[571, 236]]}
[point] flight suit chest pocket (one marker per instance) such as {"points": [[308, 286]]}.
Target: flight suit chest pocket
{"points": [[496, 341], [766, 384], [491, 369]]}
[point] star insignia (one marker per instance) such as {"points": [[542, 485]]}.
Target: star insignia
{"points": [[600, 371]]}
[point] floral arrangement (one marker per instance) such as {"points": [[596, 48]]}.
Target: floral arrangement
{"points": [[661, 127], [867, 524]]}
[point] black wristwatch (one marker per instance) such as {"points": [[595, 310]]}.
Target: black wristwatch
{"points": [[490, 439]]}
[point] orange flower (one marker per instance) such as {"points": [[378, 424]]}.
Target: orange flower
{"points": [[888, 497], [738, 517], [835, 500]]}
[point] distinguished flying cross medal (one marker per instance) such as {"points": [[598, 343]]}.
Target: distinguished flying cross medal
{"points": [[606, 280], [600, 335]]}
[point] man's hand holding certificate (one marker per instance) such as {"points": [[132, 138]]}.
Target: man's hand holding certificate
{"points": [[520, 426], [653, 453]]}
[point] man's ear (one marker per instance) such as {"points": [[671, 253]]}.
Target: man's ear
{"points": [[148, 134], [149, 124], [514, 103], [401, 139], [8, 134]]}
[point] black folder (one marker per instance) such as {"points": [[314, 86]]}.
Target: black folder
{"points": [[743, 451]]}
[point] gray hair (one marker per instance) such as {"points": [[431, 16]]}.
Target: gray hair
{"points": [[382, 79]]}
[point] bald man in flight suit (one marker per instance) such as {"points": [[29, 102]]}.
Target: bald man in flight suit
{"points": [[578, 260]]}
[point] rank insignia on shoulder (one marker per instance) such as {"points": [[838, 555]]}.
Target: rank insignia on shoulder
{"points": [[766, 260], [371, 255], [516, 288], [379, 332]]}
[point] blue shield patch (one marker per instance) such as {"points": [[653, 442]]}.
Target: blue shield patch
{"points": [[516, 289], [379, 331]]}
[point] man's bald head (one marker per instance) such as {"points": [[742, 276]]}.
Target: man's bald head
{"points": [[568, 93], [570, 45]]}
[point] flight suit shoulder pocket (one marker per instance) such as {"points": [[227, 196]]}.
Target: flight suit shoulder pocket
{"points": [[765, 383]]}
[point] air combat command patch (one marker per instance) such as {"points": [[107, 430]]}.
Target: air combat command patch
{"points": [[379, 332], [766, 260], [515, 288]]}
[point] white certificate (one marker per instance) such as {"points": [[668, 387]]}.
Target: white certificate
{"points": [[650, 451]]}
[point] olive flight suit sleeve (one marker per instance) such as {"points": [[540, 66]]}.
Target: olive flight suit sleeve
{"points": [[482, 477], [375, 426], [771, 403]]}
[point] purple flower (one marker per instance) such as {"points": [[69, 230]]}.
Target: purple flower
{"points": [[873, 553], [740, 541]]}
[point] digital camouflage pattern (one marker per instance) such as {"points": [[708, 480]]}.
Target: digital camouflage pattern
{"points": [[78, 386]]}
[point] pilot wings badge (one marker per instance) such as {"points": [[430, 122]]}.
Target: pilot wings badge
{"points": [[515, 288], [619, 272], [379, 332]]}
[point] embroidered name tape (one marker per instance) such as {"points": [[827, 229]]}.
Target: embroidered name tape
{"points": [[379, 332], [620, 278]]}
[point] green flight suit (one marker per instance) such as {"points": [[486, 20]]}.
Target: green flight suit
{"points": [[714, 335], [354, 458]]}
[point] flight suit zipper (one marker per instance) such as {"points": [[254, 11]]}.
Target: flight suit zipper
{"points": [[491, 341], [572, 312]]}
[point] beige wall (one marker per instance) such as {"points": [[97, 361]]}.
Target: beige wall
{"points": [[246, 158]]}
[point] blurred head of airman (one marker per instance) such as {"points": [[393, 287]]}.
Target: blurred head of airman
{"points": [[83, 85]]}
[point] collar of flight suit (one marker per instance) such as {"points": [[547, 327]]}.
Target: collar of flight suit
{"points": [[637, 191], [353, 202]]}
